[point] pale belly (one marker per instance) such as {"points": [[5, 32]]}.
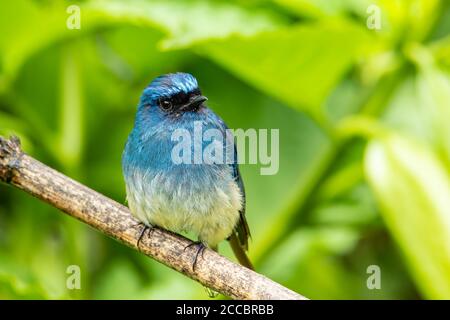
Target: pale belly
{"points": [[208, 207]]}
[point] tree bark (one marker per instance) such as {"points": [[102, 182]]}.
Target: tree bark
{"points": [[115, 220]]}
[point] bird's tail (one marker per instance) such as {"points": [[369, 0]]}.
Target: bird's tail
{"points": [[239, 252]]}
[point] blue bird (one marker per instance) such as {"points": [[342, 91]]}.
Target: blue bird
{"points": [[206, 199]]}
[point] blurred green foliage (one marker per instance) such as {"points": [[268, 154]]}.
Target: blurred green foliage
{"points": [[364, 119]]}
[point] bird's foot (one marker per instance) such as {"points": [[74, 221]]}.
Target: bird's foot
{"points": [[200, 249], [142, 232]]}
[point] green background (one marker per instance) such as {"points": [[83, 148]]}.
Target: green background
{"points": [[363, 114]]}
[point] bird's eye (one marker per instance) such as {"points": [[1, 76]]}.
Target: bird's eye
{"points": [[165, 105]]}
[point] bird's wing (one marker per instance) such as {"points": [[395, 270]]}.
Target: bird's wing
{"points": [[239, 237], [242, 229]]}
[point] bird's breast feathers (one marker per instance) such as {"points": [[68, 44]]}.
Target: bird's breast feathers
{"points": [[203, 199]]}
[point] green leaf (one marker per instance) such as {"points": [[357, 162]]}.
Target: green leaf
{"points": [[434, 94], [300, 66], [413, 188], [186, 22], [420, 106], [323, 8]]}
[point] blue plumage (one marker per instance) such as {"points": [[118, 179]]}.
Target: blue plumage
{"points": [[207, 199]]}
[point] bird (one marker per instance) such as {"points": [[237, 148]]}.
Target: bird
{"points": [[206, 199]]}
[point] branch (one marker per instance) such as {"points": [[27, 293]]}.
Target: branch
{"points": [[115, 220]]}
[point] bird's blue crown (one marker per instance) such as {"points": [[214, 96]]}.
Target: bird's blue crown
{"points": [[169, 85]]}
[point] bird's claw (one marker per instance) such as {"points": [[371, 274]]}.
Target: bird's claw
{"points": [[201, 249], [142, 232]]}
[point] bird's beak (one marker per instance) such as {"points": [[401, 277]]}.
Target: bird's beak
{"points": [[194, 102]]}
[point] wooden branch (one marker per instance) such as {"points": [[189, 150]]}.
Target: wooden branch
{"points": [[115, 220]]}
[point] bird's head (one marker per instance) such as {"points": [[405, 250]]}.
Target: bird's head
{"points": [[173, 94]]}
